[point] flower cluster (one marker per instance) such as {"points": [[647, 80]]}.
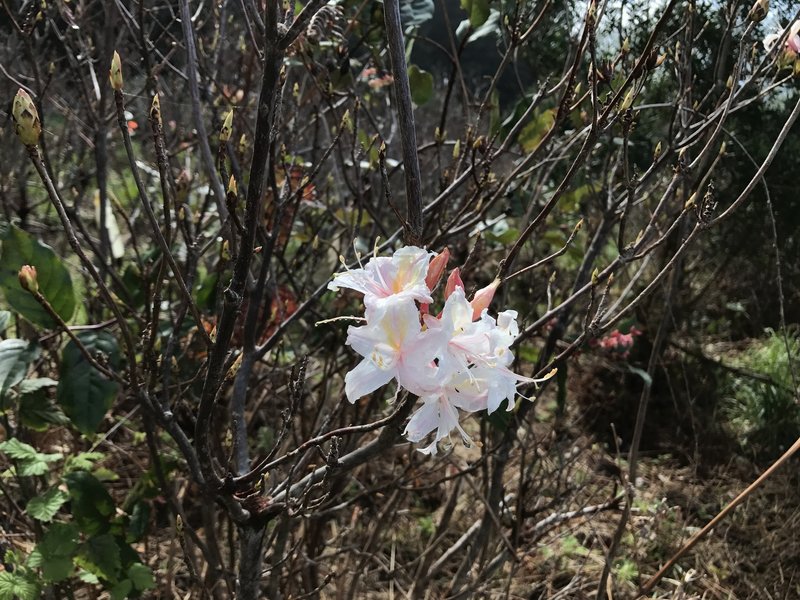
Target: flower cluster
{"points": [[617, 343], [458, 360]]}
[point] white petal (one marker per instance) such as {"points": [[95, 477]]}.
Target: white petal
{"points": [[365, 379], [422, 422]]}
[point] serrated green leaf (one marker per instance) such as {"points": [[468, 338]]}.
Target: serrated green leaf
{"points": [[416, 12], [14, 586], [55, 282], [121, 590], [100, 555], [83, 461], [45, 506], [57, 549], [421, 83], [92, 505], [477, 11], [28, 461], [83, 392], [141, 576], [38, 410], [15, 358]]}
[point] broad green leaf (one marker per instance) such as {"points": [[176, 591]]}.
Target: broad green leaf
{"points": [[15, 358], [421, 83], [477, 11], [28, 461], [45, 506], [92, 505], [137, 526], [141, 576], [14, 586], [57, 549], [533, 132], [55, 282], [83, 392], [100, 555]]}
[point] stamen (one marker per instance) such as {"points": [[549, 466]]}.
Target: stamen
{"points": [[344, 318]]}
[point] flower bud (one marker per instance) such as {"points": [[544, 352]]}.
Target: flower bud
{"points": [[227, 128], [436, 268], [483, 298], [155, 110], [115, 73], [758, 11], [453, 281], [26, 119], [28, 280]]}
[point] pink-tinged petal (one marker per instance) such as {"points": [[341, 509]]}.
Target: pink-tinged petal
{"points": [[365, 379], [793, 43], [453, 281], [483, 298], [436, 268]]}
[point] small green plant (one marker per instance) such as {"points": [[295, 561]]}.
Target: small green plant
{"points": [[761, 408]]}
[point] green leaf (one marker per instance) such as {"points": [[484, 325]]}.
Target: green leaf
{"points": [[45, 506], [38, 411], [533, 132], [84, 461], [14, 586], [648, 381], [477, 11], [29, 461], [83, 392], [416, 12], [100, 555], [15, 358], [137, 526], [55, 282], [92, 505], [57, 549], [421, 83], [30, 386], [141, 576], [121, 590]]}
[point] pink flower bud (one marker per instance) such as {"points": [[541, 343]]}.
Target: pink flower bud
{"points": [[483, 298], [453, 282], [436, 269]]}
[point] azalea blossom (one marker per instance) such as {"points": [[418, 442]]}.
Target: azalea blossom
{"points": [[394, 347], [403, 275], [458, 361]]}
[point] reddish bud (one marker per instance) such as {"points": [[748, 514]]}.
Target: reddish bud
{"points": [[436, 268], [28, 280], [453, 282], [483, 298]]}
